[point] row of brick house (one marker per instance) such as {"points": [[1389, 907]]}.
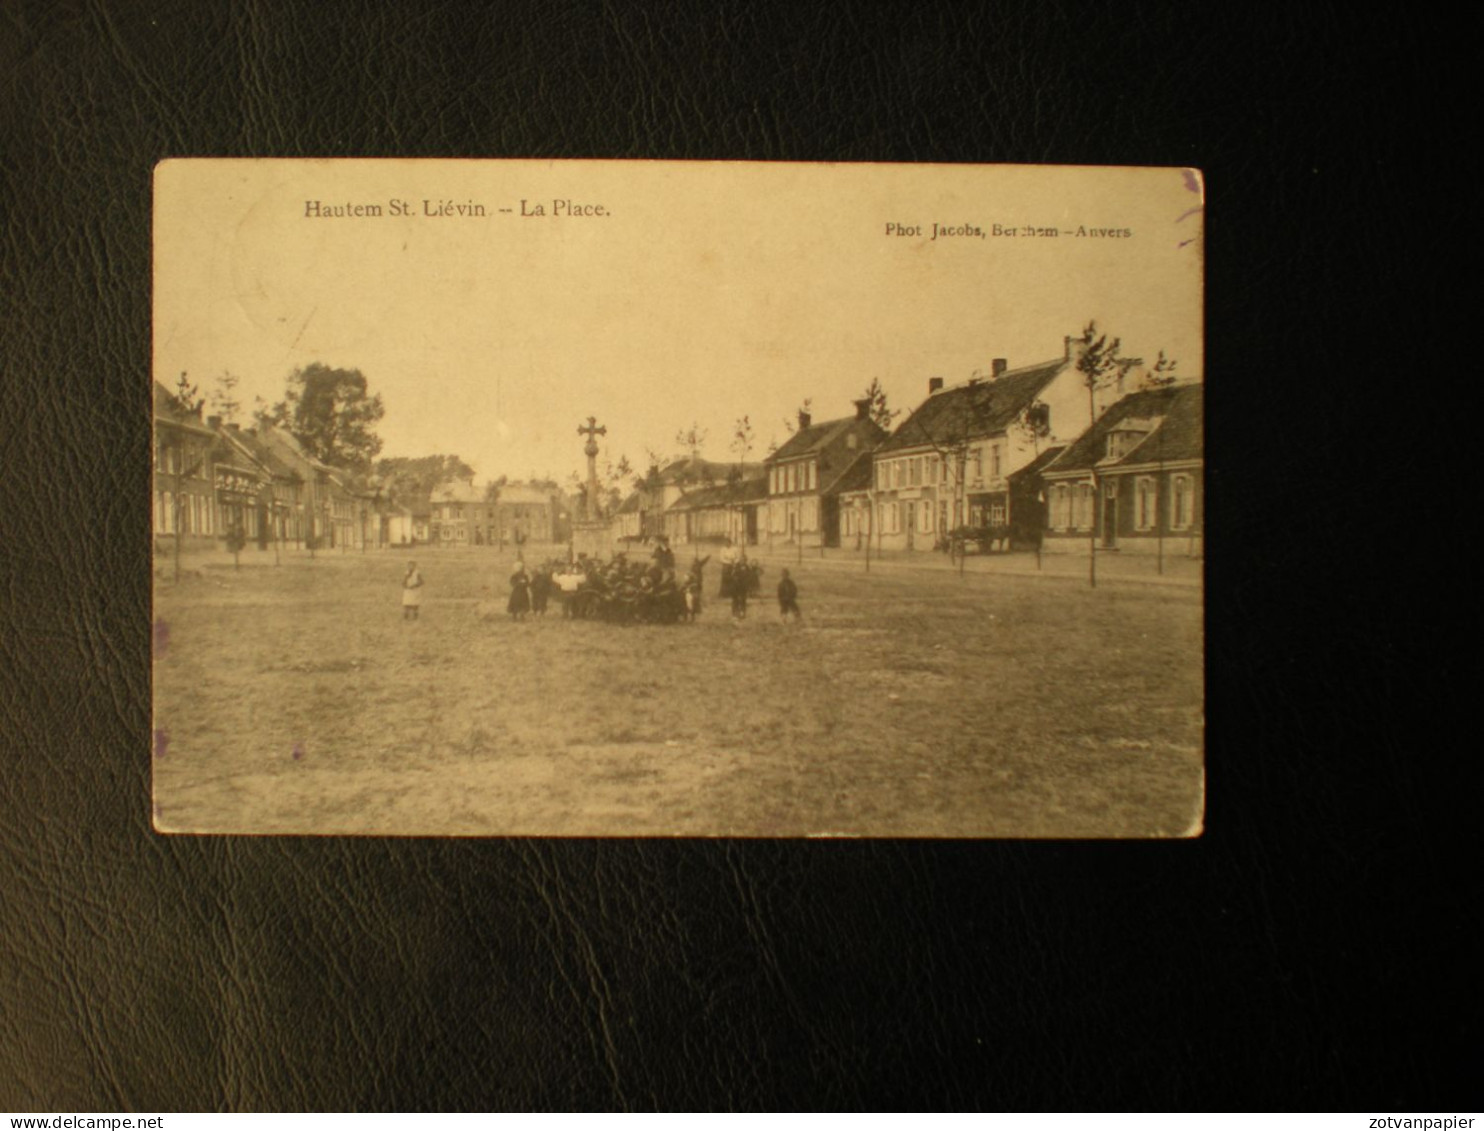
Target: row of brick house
{"points": [[212, 477], [1022, 456]]}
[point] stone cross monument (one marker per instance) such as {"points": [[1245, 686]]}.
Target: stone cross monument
{"points": [[592, 430]]}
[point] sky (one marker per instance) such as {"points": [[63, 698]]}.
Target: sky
{"points": [[654, 295]]}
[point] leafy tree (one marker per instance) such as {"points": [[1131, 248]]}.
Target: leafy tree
{"points": [[420, 475], [332, 414], [880, 413]]}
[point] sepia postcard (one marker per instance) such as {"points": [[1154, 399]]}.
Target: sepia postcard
{"points": [[654, 499]]}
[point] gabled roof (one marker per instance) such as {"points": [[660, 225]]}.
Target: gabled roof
{"points": [[855, 477], [244, 453], [688, 470], [975, 409], [726, 495], [1177, 435], [816, 437]]}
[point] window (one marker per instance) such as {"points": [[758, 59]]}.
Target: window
{"points": [[924, 519], [1082, 506], [1183, 489], [897, 473], [997, 514], [914, 473], [880, 476], [813, 477], [994, 462], [1146, 504], [976, 465], [1060, 514]]}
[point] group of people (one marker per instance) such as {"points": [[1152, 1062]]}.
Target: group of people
{"points": [[530, 590]]}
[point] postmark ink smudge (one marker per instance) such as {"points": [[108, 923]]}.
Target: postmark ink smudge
{"points": [[162, 742], [162, 637]]}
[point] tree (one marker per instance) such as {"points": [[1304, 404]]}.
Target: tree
{"points": [[330, 412], [1161, 375], [880, 413], [422, 474], [224, 397], [742, 440], [1032, 425], [185, 398], [616, 475], [691, 440], [1099, 364]]}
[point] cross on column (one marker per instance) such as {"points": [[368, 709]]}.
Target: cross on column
{"points": [[592, 430]]}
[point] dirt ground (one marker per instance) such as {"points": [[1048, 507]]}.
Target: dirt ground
{"points": [[909, 702]]}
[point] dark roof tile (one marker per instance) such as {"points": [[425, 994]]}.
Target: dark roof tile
{"points": [[969, 411]]}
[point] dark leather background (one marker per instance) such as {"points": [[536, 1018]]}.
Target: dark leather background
{"points": [[1308, 951]]}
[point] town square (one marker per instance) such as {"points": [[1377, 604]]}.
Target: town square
{"points": [[653, 568]]}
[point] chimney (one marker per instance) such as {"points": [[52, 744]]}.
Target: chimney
{"points": [[1076, 347], [998, 366], [214, 422], [234, 427], [863, 408], [935, 385], [804, 419]]}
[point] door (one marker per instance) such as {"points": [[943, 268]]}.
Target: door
{"points": [[911, 520]]}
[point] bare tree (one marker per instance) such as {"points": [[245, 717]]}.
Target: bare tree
{"points": [[1032, 425], [224, 397], [880, 413], [1099, 364], [186, 398]]}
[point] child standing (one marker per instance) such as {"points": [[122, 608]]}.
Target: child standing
{"points": [[412, 592]]}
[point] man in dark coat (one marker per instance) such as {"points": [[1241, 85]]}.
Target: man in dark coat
{"points": [[788, 598]]}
